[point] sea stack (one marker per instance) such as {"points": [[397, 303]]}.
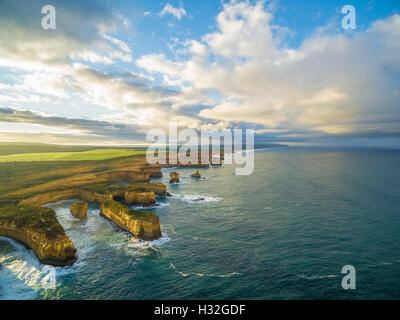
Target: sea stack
{"points": [[79, 209], [196, 175], [141, 224], [174, 177], [145, 198]]}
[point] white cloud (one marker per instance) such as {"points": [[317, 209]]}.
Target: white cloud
{"points": [[333, 82], [243, 71], [176, 12]]}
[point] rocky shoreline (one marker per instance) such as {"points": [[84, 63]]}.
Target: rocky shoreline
{"points": [[40, 232], [24, 219]]}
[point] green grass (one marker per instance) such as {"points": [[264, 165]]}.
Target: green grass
{"points": [[97, 154], [39, 219]]}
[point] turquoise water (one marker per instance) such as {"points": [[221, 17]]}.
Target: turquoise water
{"points": [[284, 232]]}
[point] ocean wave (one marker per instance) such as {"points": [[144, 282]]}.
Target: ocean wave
{"points": [[197, 199], [197, 274], [159, 205], [315, 277], [153, 244], [23, 275], [182, 180]]}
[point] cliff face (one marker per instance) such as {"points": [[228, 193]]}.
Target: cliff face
{"points": [[153, 171], [147, 198], [61, 195], [96, 193], [143, 225], [158, 188], [38, 229], [79, 209]]}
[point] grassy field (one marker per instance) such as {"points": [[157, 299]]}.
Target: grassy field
{"points": [[52, 166], [97, 154], [14, 148]]}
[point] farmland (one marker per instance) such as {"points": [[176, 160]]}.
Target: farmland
{"points": [[97, 154]]}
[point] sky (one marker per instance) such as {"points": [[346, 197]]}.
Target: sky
{"points": [[113, 70]]}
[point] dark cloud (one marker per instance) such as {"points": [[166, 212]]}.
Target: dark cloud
{"points": [[93, 129]]}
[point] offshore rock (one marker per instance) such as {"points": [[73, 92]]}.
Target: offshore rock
{"points": [[174, 177], [141, 224], [196, 175], [79, 209], [146, 198]]}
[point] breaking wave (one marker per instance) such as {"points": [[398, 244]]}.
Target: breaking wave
{"points": [[315, 277], [23, 276], [195, 199], [158, 205], [226, 275]]}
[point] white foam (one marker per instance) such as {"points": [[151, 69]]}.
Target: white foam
{"points": [[159, 205], [197, 274], [154, 244], [197, 199], [315, 277], [23, 275], [182, 180]]}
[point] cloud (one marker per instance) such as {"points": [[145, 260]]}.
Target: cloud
{"points": [[69, 63], [25, 122], [332, 84], [244, 73], [82, 33], [176, 12]]}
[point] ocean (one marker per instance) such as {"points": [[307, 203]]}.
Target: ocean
{"points": [[284, 232]]}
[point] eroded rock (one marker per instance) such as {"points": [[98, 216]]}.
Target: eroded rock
{"points": [[174, 177], [38, 229], [145, 198], [79, 209], [196, 175], [141, 224]]}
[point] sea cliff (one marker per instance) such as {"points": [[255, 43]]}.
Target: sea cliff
{"points": [[140, 198], [96, 193], [38, 229], [141, 224]]}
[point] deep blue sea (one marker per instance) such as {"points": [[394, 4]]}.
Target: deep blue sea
{"points": [[284, 232]]}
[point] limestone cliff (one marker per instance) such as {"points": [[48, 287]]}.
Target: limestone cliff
{"points": [[61, 195], [79, 209], [146, 198], [158, 188], [38, 229], [141, 224], [95, 193], [153, 171]]}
